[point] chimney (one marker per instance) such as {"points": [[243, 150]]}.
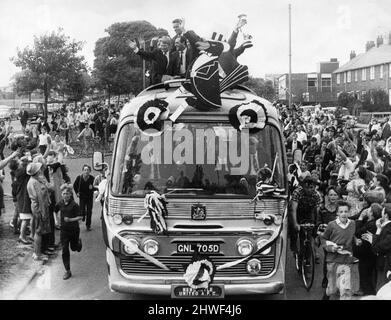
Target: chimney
{"points": [[369, 45], [379, 41], [352, 54]]}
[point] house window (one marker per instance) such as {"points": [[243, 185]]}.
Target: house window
{"points": [[326, 82], [339, 77], [363, 93], [344, 77], [356, 75], [364, 74], [349, 76], [381, 71], [312, 82], [372, 73]]}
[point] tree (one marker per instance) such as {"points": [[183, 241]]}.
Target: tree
{"points": [[75, 85], [26, 82], [376, 100], [52, 58], [116, 68], [347, 100], [262, 88]]}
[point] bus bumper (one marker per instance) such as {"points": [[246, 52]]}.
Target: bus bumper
{"points": [[163, 287]]}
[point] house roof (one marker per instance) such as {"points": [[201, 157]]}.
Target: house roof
{"points": [[373, 57]]}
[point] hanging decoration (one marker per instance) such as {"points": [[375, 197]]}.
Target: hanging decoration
{"points": [[199, 273], [250, 115], [156, 206], [151, 115]]}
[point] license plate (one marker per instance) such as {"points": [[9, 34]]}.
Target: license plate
{"points": [[182, 292], [186, 248]]}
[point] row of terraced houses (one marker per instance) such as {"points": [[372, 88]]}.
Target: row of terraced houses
{"points": [[370, 70]]}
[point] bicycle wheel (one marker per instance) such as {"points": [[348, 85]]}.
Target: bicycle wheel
{"points": [[77, 148], [308, 265]]}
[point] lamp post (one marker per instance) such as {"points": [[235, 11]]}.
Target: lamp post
{"points": [[290, 57]]}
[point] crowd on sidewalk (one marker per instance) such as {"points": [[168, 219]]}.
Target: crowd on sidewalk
{"points": [[44, 198], [339, 180]]}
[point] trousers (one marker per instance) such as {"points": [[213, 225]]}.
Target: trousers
{"points": [[86, 209], [69, 238]]}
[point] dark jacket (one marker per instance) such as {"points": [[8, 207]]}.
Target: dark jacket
{"points": [[365, 250], [174, 65], [381, 246], [22, 197], [84, 188], [159, 68]]}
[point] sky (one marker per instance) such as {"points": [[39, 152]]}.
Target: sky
{"points": [[321, 29]]}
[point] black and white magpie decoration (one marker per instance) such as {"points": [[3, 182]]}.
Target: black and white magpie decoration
{"points": [[199, 274], [250, 115], [151, 115], [156, 206]]}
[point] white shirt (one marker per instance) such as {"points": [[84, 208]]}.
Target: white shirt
{"points": [[346, 169], [182, 54], [44, 139], [343, 226], [301, 136]]}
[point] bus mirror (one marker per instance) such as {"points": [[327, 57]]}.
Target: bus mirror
{"points": [[97, 161]]}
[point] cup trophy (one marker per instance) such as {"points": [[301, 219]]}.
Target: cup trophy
{"points": [[242, 22]]}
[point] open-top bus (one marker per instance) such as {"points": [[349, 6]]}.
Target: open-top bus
{"points": [[218, 206]]}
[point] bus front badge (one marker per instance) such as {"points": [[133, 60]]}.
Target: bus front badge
{"points": [[198, 212]]}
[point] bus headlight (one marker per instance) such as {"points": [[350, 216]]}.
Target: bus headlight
{"points": [[254, 267], [245, 247], [131, 249], [151, 247], [117, 219], [261, 243], [127, 219]]}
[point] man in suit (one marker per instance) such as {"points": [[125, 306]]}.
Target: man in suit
{"points": [[176, 25], [181, 58], [160, 56]]}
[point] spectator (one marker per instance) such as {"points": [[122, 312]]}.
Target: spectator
{"points": [[84, 189], [338, 242], [38, 191], [70, 216]]}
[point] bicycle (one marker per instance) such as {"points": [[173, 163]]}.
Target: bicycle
{"points": [[82, 149], [305, 258]]}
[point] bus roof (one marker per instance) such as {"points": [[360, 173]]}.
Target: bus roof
{"points": [[230, 98]]}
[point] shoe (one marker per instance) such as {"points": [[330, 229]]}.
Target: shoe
{"points": [[325, 282], [80, 246], [20, 240], [67, 275], [40, 257]]}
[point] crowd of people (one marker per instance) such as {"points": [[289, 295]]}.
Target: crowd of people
{"points": [[339, 181], [44, 198]]}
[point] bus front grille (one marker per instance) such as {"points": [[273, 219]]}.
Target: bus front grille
{"points": [[140, 266]]}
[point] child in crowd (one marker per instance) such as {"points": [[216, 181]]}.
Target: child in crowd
{"points": [[337, 240], [70, 216]]}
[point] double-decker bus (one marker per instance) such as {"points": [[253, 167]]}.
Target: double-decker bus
{"points": [[217, 209]]}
